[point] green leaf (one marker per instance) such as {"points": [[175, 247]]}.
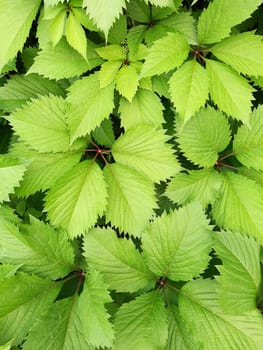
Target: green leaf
{"points": [[76, 35], [57, 25], [145, 108], [130, 198], [252, 174], [139, 10], [7, 213], [117, 259], [145, 150], [230, 91], [90, 105], [92, 312], [19, 89], [178, 335], [108, 72], [23, 298], [104, 15], [60, 328], [189, 89], [141, 324], [112, 52], [165, 54], [198, 305], [104, 134], [39, 249], [239, 206], [216, 21], [127, 81], [16, 17], [11, 173], [177, 245], [118, 31], [48, 61], [240, 274], [202, 185], [6, 346], [7, 270], [242, 52], [41, 124], [78, 198], [248, 142], [204, 136], [43, 169]]}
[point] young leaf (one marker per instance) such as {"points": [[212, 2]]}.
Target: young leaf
{"points": [[39, 249], [57, 25], [19, 89], [127, 81], [59, 328], [78, 198], [97, 327], [216, 21], [48, 61], [204, 136], [198, 305], [239, 206], [108, 72], [41, 124], [43, 169], [201, 185], [239, 277], [165, 54], [231, 92], [16, 17], [248, 142], [118, 260], [11, 173], [189, 89], [90, 105], [242, 52], [104, 15], [141, 323], [112, 52], [145, 150], [76, 35], [145, 108], [130, 198], [22, 299], [177, 245]]}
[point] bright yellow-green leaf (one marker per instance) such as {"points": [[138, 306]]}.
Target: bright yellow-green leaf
{"points": [[75, 35], [127, 82]]}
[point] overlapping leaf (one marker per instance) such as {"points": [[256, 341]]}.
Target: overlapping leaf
{"points": [[118, 260], [145, 150], [76, 35]]}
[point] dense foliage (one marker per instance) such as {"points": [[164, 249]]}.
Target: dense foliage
{"points": [[131, 174]]}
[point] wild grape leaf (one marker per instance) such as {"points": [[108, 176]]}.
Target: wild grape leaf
{"points": [[204, 136], [43, 169], [57, 22], [242, 52], [118, 260], [239, 278], [239, 206], [16, 17], [76, 35], [78, 198], [20, 88], [201, 185], [127, 81], [131, 198], [248, 142], [102, 14], [216, 21], [22, 299], [112, 52], [48, 61], [108, 72], [199, 309], [90, 105], [104, 134], [230, 91], [42, 125], [165, 54], [177, 245], [145, 108], [11, 173], [189, 89], [145, 150], [38, 249], [141, 323]]}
